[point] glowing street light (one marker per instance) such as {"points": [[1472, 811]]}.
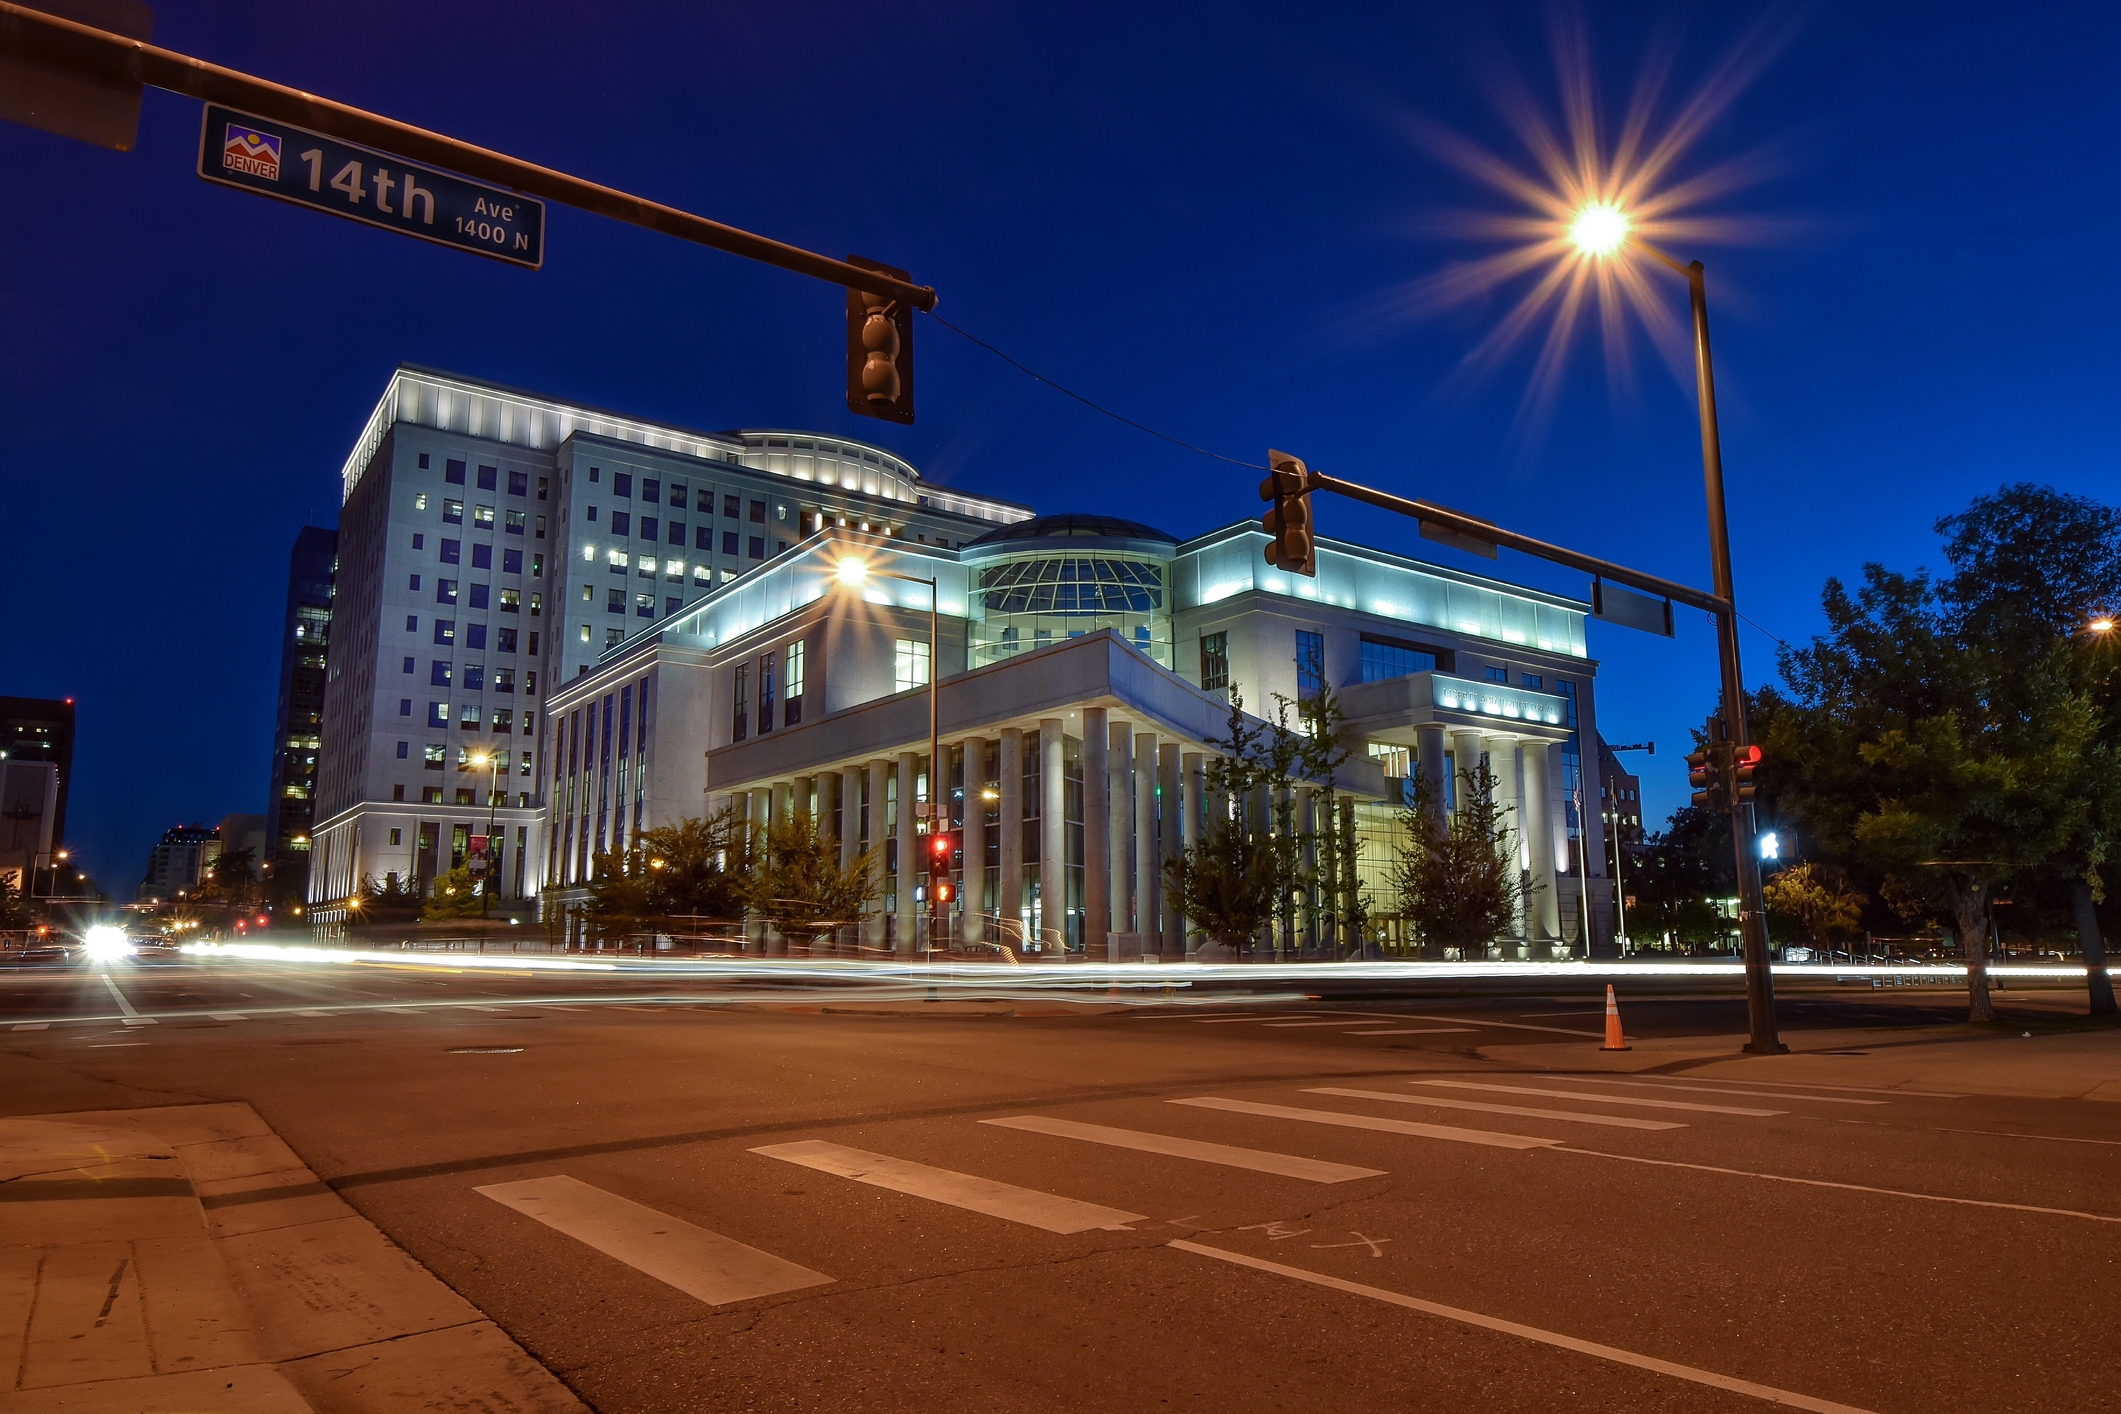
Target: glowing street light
{"points": [[1600, 228], [2101, 625]]}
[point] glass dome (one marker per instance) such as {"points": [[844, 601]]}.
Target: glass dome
{"points": [[1055, 577]]}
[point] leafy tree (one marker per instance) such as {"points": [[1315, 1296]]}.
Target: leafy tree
{"points": [[1330, 888], [2029, 564], [455, 896], [692, 869], [1240, 879], [232, 872], [1461, 886], [1225, 884], [395, 898], [14, 913], [1824, 908], [796, 881]]}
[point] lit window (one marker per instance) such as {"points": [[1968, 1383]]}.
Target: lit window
{"points": [[674, 571], [585, 633], [647, 566], [438, 675], [430, 795], [702, 577], [910, 664], [482, 517], [419, 502], [511, 601], [438, 714], [469, 717], [617, 560], [397, 836], [436, 757], [644, 605], [515, 523], [589, 552], [452, 512], [1214, 660], [445, 630], [504, 679]]}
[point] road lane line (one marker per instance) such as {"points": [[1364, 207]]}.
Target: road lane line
{"points": [[1592, 1348], [1610, 1121], [1851, 1187], [131, 1017], [1353, 1121], [1711, 1090], [1602, 1099], [228, 1016], [1336, 1021], [312, 1012], [1543, 1015], [960, 1190], [1417, 1031], [707, 1265], [1228, 1155], [31, 1025], [1221, 1020], [1804, 1085]]}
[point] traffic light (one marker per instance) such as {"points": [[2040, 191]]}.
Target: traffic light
{"points": [[941, 847], [1289, 521], [1744, 762], [1707, 770], [879, 350]]}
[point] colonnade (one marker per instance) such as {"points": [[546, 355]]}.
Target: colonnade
{"points": [[1522, 786]]}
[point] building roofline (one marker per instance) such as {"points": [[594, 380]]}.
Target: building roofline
{"points": [[1386, 557]]}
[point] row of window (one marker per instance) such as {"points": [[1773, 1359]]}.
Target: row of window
{"points": [[480, 597], [474, 678], [453, 472], [513, 522], [451, 552], [751, 547], [432, 795], [471, 717], [791, 660], [1382, 658], [652, 493], [504, 638]]}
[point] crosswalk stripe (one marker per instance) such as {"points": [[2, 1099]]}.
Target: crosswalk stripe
{"points": [[1714, 1090], [1336, 1021], [1228, 1155], [707, 1265], [1416, 1031], [1845, 1089], [1351, 1121], [1602, 1099], [1610, 1121], [960, 1190], [312, 1013], [1511, 1025], [31, 1025], [228, 1016], [1219, 1020]]}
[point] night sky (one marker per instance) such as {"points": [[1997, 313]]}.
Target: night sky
{"points": [[1207, 219]]}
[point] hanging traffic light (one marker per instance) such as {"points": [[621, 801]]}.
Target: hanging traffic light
{"points": [[1744, 761], [1288, 522], [1707, 769], [879, 350]]}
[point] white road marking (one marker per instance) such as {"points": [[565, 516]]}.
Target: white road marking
{"points": [[1602, 1099], [1417, 1031], [1851, 1187], [1219, 1020], [1712, 1090], [228, 1016], [960, 1190], [1542, 1015], [1336, 1021], [131, 1017], [1611, 1121], [707, 1265], [1532, 1333], [1388, 1126], [1229, 1155], [1801, 1085], [400, 1010], [31, 1025], [1512, 1025], [312, 1012]]}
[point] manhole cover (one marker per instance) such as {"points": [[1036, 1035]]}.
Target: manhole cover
{"points": [[485, 1050]]}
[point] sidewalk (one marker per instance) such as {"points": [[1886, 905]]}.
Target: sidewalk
{"points": [[182, 1259]]}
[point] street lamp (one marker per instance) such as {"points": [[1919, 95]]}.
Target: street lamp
{"points": [[1602, 230], [488, 760], [852, 573]]}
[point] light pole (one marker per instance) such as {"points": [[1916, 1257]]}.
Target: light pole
{"points": [[489, 760], [1601, 230], [852, 572]]}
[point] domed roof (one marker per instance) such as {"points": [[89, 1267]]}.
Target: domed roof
{"points": [[1068, 530]]}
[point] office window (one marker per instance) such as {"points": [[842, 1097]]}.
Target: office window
{"points": [[512, 600], [416, 583], [533, 653], [765, 693], [438, 714], [423, 467], [482, 557], [452, 552], [430, 795], [780, 547], [738, 729], [674, 571], [518, 483], [651, 528], [438, 674], [482, 517], [404, 750], [677, 532], [909, 664], [466, 796], [592, 514], [730, 507], [452, 512], [474, 635], [504, 720], [412, 623], [511, 562], [1382, 659], [1310, 661], [621, 523], [537, 566], [474, 678], [587, 594], [537, 606], [405, 706], [445, 630], [419, 542], [585, 633], [453, 472], [479, 596], [611, 636], [419, 502], [758, 512], [647, 567], [614, 601], [408, 665], [703, 538], [594, 474], [644, 605], [794, 689], [616, 560], [622, 484], [704, 504], [445, 591], [1497, 674], [758, 547], [398, 836], [435, 756], [1533, 680], [504, 680], [672, 604], [468, 717], [651, 491], [397, 793], [1214, 660], [677, 494], [541, 488], [504, 640], [489, 478], [514, 521], [702, 577], [728, 548], [541, 527]]}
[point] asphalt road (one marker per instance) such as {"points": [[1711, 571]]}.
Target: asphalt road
{"points": [[1008, 1206]]}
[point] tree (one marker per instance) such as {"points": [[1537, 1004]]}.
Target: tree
{"points": [[1461, 886], [394, 899], [232, 873], [1330, 886], [1240, 878], [455, 896], [796, 881], [14, 913], [2030, 564], [691, 869], [1823, 908]]}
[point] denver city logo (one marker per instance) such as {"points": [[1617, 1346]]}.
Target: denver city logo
{"points": [[252, 153]]}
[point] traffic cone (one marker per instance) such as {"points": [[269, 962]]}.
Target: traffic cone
{"points": [[1614, 1041]]}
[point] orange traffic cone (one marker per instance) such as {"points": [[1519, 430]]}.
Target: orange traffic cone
{"points": [[1614, 1041]]}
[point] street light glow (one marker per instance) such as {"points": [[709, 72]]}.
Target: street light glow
{"points": [[1599, 229], [2101, 625], [851, 571]]}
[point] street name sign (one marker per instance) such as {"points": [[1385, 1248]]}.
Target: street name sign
{"points": [[375, 188]]}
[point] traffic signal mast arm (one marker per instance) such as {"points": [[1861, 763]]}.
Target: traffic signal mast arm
{"points": [[115, 59]]}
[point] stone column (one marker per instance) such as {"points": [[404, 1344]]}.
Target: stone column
{"points": [[1307, 933], [972, 897], [1465, 751], [1097, 836], [1009, 825], [1429, 753], [1502, 760], [1170, 840], [1192, 807], [1539, 833], [878, 774], [757, 937], [803, 810], [1119, 800], [909, 768], [1148, 865], [1053, 836]]}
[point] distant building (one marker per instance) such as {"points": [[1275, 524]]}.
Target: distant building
{"points": [[29, 798], [42, 729], [297, 720], [175, 864], [1620, 797]]}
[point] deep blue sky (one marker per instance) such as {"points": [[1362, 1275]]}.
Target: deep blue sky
{"points": [[1185, 213]]}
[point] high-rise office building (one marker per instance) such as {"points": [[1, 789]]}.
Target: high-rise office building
{"points": [[37, 729], [298, 718], [493, 543]]}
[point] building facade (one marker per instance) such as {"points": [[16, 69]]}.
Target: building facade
{"points": [[178, 861], [37, 729], [493, 545], [29, 809], [298, 716]]}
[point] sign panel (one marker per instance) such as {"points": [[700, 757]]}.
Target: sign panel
{"points": [[293, 164], [1629, 609], [475, 858]]}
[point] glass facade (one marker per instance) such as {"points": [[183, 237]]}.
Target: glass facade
{"points": [[1030, 600]]}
